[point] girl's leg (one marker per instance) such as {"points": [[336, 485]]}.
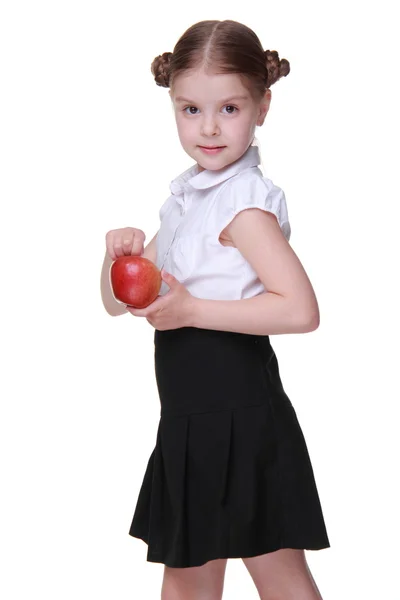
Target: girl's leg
{"points": [[282, 575], [194, 583]]}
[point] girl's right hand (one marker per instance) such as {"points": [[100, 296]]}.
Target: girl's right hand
{"points": [[125, 241]]}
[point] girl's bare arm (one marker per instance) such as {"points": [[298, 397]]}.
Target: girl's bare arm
{"points": [[289, 305]]}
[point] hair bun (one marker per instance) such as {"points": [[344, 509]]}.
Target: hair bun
{"points": [[276, 67], [160, 68]]}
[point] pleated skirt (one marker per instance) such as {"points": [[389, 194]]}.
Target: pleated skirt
{"points": [[230, 475]]}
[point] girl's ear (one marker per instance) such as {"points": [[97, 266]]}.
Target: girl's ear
{"points": [[264, 107]]}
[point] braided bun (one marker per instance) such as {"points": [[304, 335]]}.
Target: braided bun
{"points": [[276, 67], [160, 69]]}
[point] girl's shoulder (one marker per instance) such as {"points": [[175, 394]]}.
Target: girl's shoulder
{"points": [[251, 189]]}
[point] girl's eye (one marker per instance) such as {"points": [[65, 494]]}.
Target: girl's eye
{"points": [[190, 107], [233, 107], [230, 112]]}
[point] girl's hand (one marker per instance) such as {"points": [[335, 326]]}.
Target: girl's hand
{"points": [[125, 241], [171, 311]]}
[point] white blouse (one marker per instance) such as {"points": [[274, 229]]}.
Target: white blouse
{"points": [[201, 205]]}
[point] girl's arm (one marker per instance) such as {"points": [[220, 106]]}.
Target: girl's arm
{"points": [[113, 307], [289, 306]]}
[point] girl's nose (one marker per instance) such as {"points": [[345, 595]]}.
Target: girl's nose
{"points": [[210, 126]]}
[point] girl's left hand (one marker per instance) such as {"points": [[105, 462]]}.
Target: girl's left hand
{"points": [[170, 311]]}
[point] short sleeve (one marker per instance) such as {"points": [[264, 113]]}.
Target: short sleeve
{"points": [[250, 190]]}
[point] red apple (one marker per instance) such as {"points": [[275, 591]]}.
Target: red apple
{"points": [[135, 280]]}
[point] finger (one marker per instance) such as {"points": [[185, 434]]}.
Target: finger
{"points": [[127, 241], [124, 241], [118, 246], [138, 242], [158, 303], [138, 312], [169, 279], [110, 244], [128, 237]]}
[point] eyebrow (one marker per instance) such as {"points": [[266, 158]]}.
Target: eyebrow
{"points": [[181, 99]]}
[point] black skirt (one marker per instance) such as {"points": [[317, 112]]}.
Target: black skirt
{"points": [[230, 475]]}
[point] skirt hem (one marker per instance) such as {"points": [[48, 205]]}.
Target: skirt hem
{"points": [[267, 550]]}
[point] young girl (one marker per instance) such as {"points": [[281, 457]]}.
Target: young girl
{"points": [[230, 475]]}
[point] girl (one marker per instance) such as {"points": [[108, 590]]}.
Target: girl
{"points": [[230, 475]]}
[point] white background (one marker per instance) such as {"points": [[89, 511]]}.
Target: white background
{"points": [[88, 144]]}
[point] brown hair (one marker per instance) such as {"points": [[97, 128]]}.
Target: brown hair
{"points": [[222, 47]]}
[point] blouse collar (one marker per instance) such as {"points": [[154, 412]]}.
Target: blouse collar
{"points": [[208, 178]]}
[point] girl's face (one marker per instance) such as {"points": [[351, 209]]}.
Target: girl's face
{"points": [[215, 110]]}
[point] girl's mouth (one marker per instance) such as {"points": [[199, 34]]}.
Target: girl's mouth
{"points": [[214, 150]]}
